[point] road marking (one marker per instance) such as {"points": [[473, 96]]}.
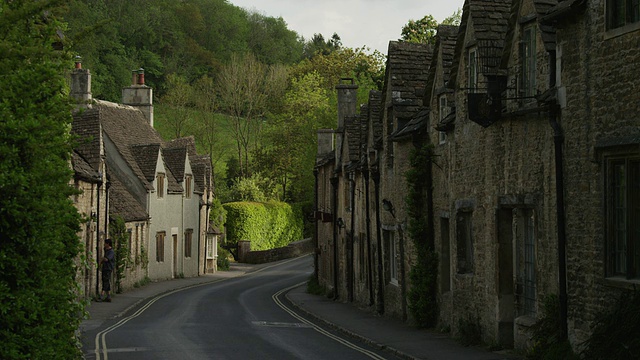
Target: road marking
{"points": [[324, 332], [280, 324], [101, 337]]}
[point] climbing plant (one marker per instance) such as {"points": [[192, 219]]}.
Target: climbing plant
{"points": [[119, 236], [424, 273]]}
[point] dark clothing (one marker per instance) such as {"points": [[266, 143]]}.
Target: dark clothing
{"points": [[107, 269]]}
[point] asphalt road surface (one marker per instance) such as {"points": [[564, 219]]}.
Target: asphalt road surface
{"points": [[241, 318]]}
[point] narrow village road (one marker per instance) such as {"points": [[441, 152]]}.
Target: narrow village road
{"points": [[241, 318]]}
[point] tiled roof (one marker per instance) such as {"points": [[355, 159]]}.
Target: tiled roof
{"points": [[354, 138], [122, 203], [375, 117], [82, 170], [417, 123], [442, 56], [147, 158], [490, 20], [176, 158], [406, 76], [86, 126], [188, 142], [201, 167]]}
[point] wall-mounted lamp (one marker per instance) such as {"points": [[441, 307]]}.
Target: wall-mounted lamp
{"points": [[340, 223], [388, 206]]}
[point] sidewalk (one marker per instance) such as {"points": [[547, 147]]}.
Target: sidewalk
{"points": [[394, 336]]}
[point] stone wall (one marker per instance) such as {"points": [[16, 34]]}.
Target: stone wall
{"points": [[294, 249]]}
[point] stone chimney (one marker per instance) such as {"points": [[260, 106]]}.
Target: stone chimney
{"points": [[325, 141], [81, 85], [347, 100], [139, 95]]}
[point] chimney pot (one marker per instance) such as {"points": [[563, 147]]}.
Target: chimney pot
{"points": [[134, 77], [78, 60], [141, 76]]}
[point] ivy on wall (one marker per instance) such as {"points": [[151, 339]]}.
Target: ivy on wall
{"points": [[424, 273]]}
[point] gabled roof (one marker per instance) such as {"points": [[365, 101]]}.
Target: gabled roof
{"points": [[443, 51], [374, 114], [86, 126], [417, 123], [547, 32], [122, 203], [83, 170], [175, 159], [490, 20], [406, 75], [147, 158], [201, 167]]}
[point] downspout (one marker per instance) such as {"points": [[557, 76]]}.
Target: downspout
{"points": [[380, 298], [558, 139], [315, 235], [369, 249], [98, 238], [403, 287], [351, 238], [334, 210]]}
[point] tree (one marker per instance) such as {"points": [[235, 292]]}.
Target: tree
{"points": [[317, 45], [39, 307], [179, 96], [424, 30]]}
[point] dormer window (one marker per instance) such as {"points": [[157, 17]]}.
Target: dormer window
{"points": [[473, 70], [622, 12], [528, 62], [188, 189], [160, 185]]}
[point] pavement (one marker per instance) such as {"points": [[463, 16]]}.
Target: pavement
{"points": [[391, 335]]}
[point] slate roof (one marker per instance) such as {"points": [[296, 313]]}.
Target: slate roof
{"points": [[443, 51], [417, 123], [374, 114], [86, 127], [490, 21], [406, 75], [353, 133], [83, 170], [122, 203], [201, 167], [147, 158], [176, 158]]}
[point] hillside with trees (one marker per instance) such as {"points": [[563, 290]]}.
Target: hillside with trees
{"points": [[250, 90]]}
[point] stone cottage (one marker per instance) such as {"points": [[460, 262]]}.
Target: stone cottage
{"points": [[150, 183]]}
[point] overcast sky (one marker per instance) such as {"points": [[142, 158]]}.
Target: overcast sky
{"points": [[358, 22]]}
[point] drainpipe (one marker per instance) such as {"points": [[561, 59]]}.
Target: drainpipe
{"points": [[98, 237], [315, 235], [351, 269], [334, 202], [403, 287], [376, 182], [369, 249], [558, 139]]}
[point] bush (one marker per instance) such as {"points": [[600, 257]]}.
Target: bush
{"points": [[40, 309], [223, 259], [267, 225], [548, 341]]}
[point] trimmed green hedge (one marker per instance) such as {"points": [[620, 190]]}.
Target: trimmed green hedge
{"points": [[267, 225]]}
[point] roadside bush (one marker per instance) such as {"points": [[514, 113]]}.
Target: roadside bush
{"points": [[267, 225]]}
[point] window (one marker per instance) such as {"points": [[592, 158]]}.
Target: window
{"points": [[473, 70], [392, 256], [188, 235], [622, 12], [623, 212], [525, 262], [443, 112], [187, 186], [464, 242], [160, 246], [160, 185], [212, 247], [528, 62]]}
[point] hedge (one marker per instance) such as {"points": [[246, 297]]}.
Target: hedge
{"points": [[267, 225]]}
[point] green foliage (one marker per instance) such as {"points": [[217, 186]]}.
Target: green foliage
{"points": [[424, 31], [548, 341], [267, 225], [120, 237], [223, 259], [40, 308], [254, 188], [141, 283], [616, 333], [424, 273]]}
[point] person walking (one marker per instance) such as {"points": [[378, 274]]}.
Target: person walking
{"points": [[108, 264]]}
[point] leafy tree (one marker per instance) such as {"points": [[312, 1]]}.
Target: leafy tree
{"points": [[39, 307], [179, 96], [317, 45], [424, 30]]}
